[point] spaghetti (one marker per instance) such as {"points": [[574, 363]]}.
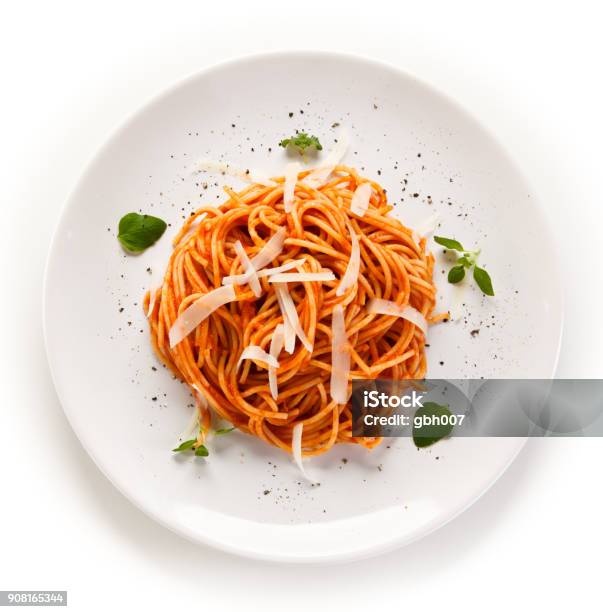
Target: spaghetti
{"points": [[381, 261]]}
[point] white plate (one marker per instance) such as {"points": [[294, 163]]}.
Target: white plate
{"points": [[246, 497]]}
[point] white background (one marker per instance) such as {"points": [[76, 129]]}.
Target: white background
{"points": [[71, 72]]}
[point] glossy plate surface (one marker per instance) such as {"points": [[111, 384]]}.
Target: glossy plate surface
{"points": [[432, 157]]}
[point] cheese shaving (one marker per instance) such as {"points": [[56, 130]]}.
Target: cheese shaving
{"points": [[291, 265], [290, 314], [251, 176], [200, 396], [193, 426], [318, 177], [291, 173], [296, 450], [276, 346], [161, 255], [361, 199], [302, 277], [194, 423], [385, 307], [427, 226], [152, 293], [340, 357], [270, 251], [250, 271], [257, 353], [198, 311], [239, 279], [350, 277]]}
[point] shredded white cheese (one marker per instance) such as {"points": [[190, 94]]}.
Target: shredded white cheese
{"points": [[291, 265], [161, 251], [276, 346], [190, 231], [239, 279], [152, 293], [291, 173], [352, 270], [251, 176], [270, 251], [385, 307], [257, 353], [289, 312], [318, 177], [424, 228], [302, 277], [250, 271], [427, 226], [288, 331], [296, 449], [200, 396], [193, 426], [198, 311], [361, 199], [340, 357]]}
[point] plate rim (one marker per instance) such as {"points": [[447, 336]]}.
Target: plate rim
{"points": [[122, 126]]}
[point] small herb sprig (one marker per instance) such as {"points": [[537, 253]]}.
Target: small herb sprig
{"points": [[223, 431], [301, 141], [466, 261], [200, 451]]}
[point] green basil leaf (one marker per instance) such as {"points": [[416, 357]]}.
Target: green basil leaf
{"points": [[138, 232], [221, 432], [483, 280], [201, 451], [456, 274], [428, 434], [464, 261], [184, 446], [449, 243]]}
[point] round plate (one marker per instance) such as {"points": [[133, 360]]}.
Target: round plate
{"points": [[127, 410]]}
